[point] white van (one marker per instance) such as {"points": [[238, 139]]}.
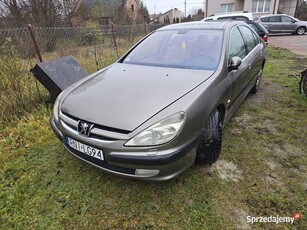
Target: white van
{"points": [[237, 15]]}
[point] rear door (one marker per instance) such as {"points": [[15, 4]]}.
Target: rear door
{"points": [[273, 24]]}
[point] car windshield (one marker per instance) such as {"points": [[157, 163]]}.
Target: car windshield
{"points": [[188, 49]]}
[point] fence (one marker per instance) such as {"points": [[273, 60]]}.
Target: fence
{"points": [[65, 38], [93, 48]]}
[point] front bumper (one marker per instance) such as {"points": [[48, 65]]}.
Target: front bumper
{"points": [[155, 164]]}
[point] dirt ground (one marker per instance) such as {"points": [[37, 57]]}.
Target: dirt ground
{"points": [[295, 43]]}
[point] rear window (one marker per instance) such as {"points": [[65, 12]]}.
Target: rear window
{"points": [[188, 49]]}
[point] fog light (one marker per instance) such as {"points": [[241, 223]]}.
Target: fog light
{"points": [[146, 172]]}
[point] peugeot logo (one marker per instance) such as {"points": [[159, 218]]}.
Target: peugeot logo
{"points": [[84, 128]]}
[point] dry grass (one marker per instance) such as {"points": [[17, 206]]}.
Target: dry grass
{"points": [[21, 93]]}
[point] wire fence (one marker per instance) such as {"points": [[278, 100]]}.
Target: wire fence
{"points": [[93, 48], [65, 38]]}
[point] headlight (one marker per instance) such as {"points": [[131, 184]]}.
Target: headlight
{"points": [[56, 107], [159, 133]]}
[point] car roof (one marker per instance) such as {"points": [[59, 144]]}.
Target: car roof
{"points": [[202, 25], [270, 15], [216, 16]]}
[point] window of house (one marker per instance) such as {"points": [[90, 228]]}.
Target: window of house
{"points": [[261, 6], [225, 8]]}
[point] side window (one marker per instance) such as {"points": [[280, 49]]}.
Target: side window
{"points": [[286, 19], [255, 28], [249, 38], [256, 36], [266, 19], [275, 19], [236, 45]]}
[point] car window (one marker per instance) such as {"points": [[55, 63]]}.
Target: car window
{"points": [[239, 18], [265, 19], [236, 45], [286, 19], [256, 37], [255, 27], [274, 19], [248, 37], [189, 49]]}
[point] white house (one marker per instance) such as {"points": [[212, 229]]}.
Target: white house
{"points": [[257, 7]]}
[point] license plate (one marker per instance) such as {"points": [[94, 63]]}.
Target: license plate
{"points": [[83, 148]]}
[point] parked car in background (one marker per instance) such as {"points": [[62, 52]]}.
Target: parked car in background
{"points": [[260, 29], [162, 106], [237, 15], [282, 23]]}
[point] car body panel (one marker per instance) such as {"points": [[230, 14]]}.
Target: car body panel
{"points": [[117, 106]]}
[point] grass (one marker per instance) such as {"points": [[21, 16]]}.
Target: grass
{"points": [[262, 171], [21, 93]]}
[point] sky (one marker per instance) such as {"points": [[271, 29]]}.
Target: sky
{"points": [[161, 6]]}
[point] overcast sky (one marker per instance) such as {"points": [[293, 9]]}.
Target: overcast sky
{"points": [[161, 6]]}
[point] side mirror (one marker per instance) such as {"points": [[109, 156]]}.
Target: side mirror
{"points": [[235, 62], [293, 21]]}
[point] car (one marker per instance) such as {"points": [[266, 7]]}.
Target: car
{"points": [[237, 15], [282, 23], [261, 31], [163, 105]]}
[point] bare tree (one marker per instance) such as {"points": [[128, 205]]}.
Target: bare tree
{"points": [[38, 12]]}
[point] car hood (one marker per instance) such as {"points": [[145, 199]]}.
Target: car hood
{"points": [[124, 96]]}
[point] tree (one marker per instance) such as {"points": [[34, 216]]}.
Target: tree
{"points": [[37, 12], [301, 12], [143, 11]]}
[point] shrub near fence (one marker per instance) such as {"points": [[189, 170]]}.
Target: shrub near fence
{"points": [[93, 48]]}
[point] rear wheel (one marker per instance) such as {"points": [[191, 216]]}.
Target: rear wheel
{"points": [[301, 30], [210, 143], [257, 84]]}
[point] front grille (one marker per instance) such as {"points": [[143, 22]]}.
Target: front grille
{"points": [[100, 163], [102, 127], [98, 131]]}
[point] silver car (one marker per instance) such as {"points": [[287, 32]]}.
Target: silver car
{"points": [[162, 106], [282, 23]]}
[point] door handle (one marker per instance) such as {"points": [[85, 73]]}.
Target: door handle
{"points": [[249, 66]]}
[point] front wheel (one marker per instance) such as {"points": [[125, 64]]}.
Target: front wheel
{"points": [[301, 30], [210, 143]]}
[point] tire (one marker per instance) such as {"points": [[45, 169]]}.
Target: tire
{"points": [[210, 143], [257, 84], [303, 84], [301, 30]]}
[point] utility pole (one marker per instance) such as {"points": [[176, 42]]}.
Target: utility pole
{"points": [[185, 8]]}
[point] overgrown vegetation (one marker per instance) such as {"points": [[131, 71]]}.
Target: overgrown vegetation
{"points": [[262, 171], [20, 92]]}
